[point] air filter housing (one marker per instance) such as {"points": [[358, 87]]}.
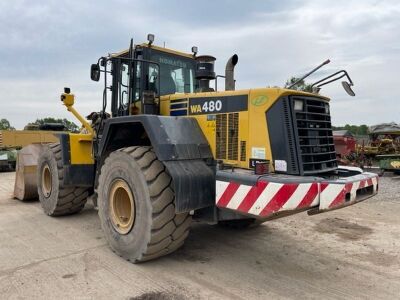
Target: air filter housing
{"points": [[205, 72]]}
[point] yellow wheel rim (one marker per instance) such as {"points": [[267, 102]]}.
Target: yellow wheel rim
{"points": [[46, 181], [122, 206]]}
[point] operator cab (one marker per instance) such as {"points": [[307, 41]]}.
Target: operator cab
{"points": [[142, 74]]}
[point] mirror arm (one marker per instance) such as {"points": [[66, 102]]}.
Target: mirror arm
{"points": [[348, 77], [325, 78], [332, 80], [321, 82]]}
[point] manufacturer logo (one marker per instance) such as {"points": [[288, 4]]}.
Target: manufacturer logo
{"points": [[260, 100], [254, 161]]}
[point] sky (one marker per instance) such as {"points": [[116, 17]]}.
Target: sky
{"points": [[47, 45]]}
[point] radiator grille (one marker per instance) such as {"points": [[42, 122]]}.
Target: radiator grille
{"points": [[242, 150], [290, 137], [1, 139], [233, 133], [316, 147], [220, 136]]}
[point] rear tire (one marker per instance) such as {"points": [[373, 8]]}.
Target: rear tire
{"points": [[136, 203], [55, 198]]}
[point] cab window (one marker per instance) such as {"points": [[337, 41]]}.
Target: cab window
{"points": [[176, 73]]}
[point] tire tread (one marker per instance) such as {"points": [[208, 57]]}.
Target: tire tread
{"points": [[169, 230], [70, 199]]}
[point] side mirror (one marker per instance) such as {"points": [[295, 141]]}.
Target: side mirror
{"points": [[95, 72], [347, 88]]}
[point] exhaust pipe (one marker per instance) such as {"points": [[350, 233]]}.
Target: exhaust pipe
{"points": [[229, 73]]}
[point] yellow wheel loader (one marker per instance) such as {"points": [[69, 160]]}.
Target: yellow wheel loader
{"points": [[175, 149]]}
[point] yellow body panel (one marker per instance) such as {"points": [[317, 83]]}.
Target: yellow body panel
{"points": [[253, 126], [81, 149]]}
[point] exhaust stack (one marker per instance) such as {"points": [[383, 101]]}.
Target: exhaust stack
{"points": [[229, 73]]}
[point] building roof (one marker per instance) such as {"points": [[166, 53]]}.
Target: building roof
{"points": [[385, 128], [342, 133]]}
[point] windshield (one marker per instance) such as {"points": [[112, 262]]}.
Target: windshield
{"points": [[176, 73]]}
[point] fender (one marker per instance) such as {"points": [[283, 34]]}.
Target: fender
{"points": [[179, 143], [77, 158]]}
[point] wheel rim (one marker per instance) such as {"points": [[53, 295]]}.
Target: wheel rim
{"points": [[46, 181], [122, 206]]}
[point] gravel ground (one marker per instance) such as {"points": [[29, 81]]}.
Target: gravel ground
{"points": [[350, 253]]}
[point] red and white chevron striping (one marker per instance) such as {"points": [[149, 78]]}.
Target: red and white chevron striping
{"points": [[334, 195], [266, 198]]}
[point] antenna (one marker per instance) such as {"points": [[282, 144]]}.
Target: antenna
{"points": [[131, 49], [309, 73]]}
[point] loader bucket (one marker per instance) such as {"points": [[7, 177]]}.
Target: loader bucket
{"points": [[25, 187]]}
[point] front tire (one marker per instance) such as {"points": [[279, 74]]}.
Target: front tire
{"points": [[136, 206], [55, 198]]}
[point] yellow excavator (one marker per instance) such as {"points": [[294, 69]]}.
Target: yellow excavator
{"points": [[174, 149]]}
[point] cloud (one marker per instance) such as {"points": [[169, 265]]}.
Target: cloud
{"points": [[47, 45]]}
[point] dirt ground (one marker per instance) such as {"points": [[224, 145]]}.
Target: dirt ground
{"points": [[345, 254]]}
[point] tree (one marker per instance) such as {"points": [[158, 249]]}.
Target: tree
{"points": [[70, 126], [354, 129], [5, 125], [363, 130], [301, 86]]}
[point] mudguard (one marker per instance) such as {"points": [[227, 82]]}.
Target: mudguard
{"points": [[179, 143]]}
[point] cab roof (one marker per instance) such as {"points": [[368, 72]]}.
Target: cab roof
{"points": [[163, 49]]}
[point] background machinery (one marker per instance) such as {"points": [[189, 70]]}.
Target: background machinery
{"points": [[382, 146], [345, 145], [383, 139], [8, 158], [174, 149]]}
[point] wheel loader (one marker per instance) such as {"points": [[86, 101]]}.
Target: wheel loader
{"points": [[173, 149]]}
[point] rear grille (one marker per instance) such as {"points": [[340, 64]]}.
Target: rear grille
{"points": [[315, 140], [227, 136], [242, 150], [233, 134], [221, 136]]}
